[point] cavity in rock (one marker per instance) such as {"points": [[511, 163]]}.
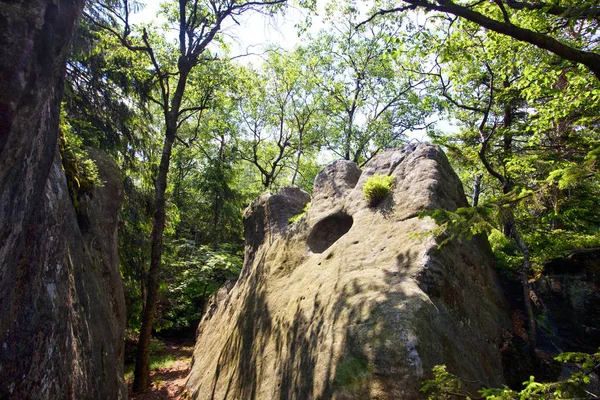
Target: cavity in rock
{"points": [[327, 231]]}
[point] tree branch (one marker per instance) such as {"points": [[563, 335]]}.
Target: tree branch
{"points": [[587, 58]]}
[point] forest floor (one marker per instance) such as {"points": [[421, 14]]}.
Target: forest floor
{"points": [[170, 364]]}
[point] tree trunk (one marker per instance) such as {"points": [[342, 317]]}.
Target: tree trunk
{"points": [[216, 211], [347, 144], [142, 364], [298, 158], [477, 189], [525, 268], [143, 285]]}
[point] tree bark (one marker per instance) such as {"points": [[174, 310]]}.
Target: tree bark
{"points": [[477, 189], [142, 364]]}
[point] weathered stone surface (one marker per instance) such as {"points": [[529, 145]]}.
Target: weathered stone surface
{"points": [[367, 313], [61, 302], [569, 302]]}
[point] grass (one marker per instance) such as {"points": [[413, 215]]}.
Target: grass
{"points": [[156, 362]]}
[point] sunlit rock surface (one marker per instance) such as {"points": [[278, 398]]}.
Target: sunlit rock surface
{"points": [[350, 302]]}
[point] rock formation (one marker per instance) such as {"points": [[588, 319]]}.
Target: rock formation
{"points": [[353, 302], [569, 302], [61, 302]]}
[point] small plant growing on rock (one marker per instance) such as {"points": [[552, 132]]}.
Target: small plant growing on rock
{"points": [[298, 217], [376, 188]]}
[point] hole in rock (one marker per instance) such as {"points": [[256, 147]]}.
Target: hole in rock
{"points": [[328, 230]]}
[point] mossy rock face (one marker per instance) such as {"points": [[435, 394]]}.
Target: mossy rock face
{"points": [[353, 375], [347, 303], [61, 320]]}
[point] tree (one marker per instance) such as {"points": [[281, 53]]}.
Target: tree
{"points": [[198, 23], [568, 30], [520, 135], [278, 112], [372, 99]]}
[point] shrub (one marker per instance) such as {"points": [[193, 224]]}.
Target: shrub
{"points": [[376, 188], [446, 386]]}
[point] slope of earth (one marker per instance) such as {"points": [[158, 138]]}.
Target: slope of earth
{"points": [[170, 365]]}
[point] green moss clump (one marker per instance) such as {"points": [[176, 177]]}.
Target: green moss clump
{"points": [[376, 188], [353, 374]]}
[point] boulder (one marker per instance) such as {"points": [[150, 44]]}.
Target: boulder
{"points": [[352, 301], [61, 303]]}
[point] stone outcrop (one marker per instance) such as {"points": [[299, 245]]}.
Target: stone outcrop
{"points": [[353, 302], [568, 302], [61, 302]]}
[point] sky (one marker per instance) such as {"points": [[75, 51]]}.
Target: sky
{"points": [[254, 31]]}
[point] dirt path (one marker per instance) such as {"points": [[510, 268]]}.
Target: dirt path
{"points": [[172, 360]]}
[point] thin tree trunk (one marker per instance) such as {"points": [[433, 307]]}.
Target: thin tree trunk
{"points": [[532, 340], [142, 365], [217, 211], [525, 268], [298, 158], [477, 189], [143, 285]]}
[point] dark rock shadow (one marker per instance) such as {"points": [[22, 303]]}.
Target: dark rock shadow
{"points": [[386, 207]]}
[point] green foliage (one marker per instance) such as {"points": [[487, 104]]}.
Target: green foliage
{"points": [[158, 359], [299, 216], [445, 385], [81, 172], [462, 223], [346, 92], [376, 188], [532, 115], [370, 99], [191, 274]]}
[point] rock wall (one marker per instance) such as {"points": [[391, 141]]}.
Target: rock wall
{"points": [[350, 302], [568, 302], [61, 303]]}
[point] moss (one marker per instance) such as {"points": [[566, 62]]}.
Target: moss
{"points": [[353, 374], [376, 188]]}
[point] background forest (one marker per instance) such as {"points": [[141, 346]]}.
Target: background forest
{"points": [[198, 132]]}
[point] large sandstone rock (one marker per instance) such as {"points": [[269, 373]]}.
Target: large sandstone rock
{"points": [[61, 301], [350, 302]]}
